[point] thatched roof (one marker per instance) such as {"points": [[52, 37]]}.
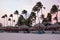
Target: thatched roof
{"points": [[54, 25], [39, 25], [23, 26]]}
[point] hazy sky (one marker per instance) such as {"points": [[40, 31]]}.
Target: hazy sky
{"points": [[9, 6]]}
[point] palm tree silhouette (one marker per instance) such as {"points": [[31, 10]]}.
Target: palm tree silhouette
{"points": [[5, 16], [24, 12], [11, 15], [37, 8], [9, 20], [53, 10], [4, 19]]}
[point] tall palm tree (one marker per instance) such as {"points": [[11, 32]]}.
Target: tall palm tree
{"points": [[9, 20], [37, 8], [53, 10], [4, 19], [11, 15], [25, 12]]}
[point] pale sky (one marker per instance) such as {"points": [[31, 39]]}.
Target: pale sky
{"points": [[9, 6]]}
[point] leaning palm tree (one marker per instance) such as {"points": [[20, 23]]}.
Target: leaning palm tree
{"points": [[11, 15], [53, 10], [37, 8], [25, 12]]}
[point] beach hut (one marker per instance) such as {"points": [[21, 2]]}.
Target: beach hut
{"points": [[54, 27], [23, 27], [39, 26]]}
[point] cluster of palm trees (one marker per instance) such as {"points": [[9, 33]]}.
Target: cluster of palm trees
{"points": [[38, 7], [5, 17], [54, 10], [35, 10], [32, 17]]}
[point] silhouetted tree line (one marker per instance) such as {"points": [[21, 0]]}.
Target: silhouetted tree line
{"points": [[35, 10]]}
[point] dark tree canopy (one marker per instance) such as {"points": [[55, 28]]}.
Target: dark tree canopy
{"points": [[54, 9], [20, 20], [9, 19], [24, 12], [16, 12], [39, 4], [11, 15], [37, 7]]}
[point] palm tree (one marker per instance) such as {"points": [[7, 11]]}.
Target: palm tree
{"points": [[11, 15], [53, 10], [37, 8], [21, 20], [24, 12], [5, 16], [4, 19], [9, 20]]}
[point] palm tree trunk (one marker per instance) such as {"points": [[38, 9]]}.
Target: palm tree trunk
{"points": [[12, 21], [4, 21], [7, 21]]}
